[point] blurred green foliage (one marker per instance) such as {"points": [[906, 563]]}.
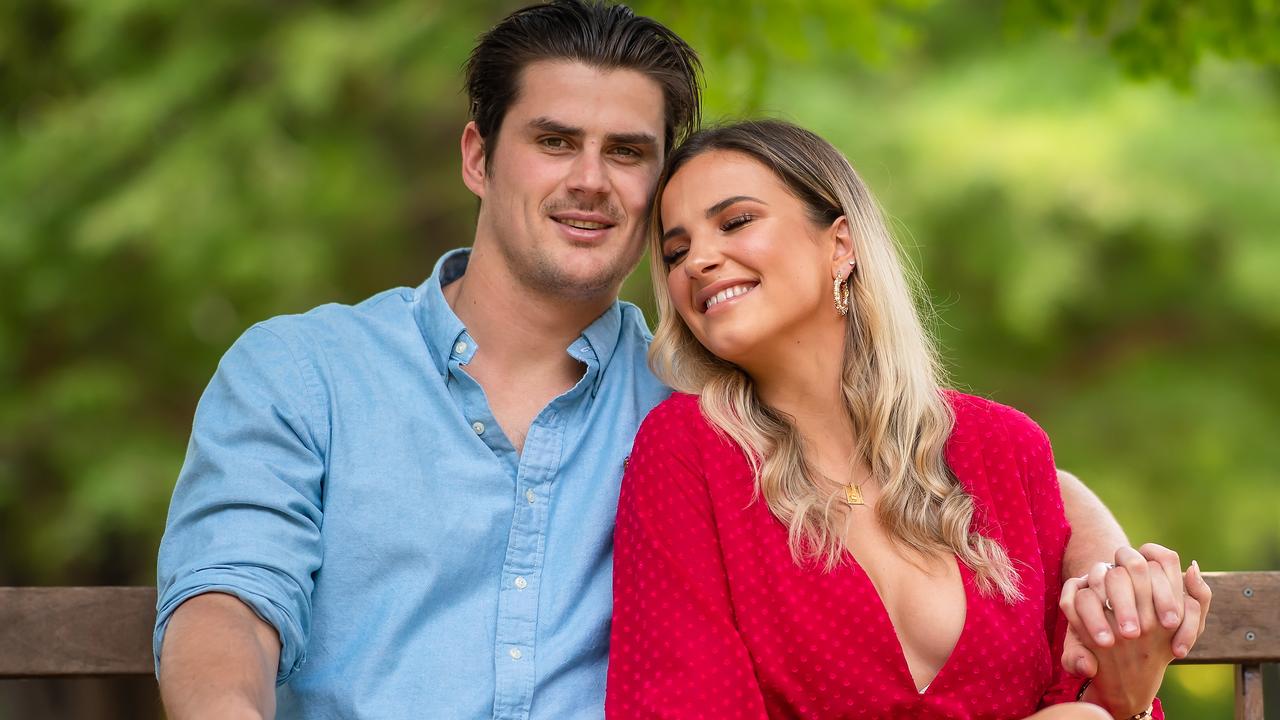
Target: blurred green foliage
{"points": [[1089, 189]]}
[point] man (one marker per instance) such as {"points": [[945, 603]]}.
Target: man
{"points": [[404, 508]]}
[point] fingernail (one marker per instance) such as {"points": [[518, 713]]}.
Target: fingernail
{"points": [[1082, 668], [1180, 650], [1103, 637], [1170, 619], [1195, 566], [1129, 627]]}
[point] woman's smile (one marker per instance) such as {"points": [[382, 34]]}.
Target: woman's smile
{"points": [[719, 296]]}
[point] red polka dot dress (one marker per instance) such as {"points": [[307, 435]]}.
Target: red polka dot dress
{"points": [[713, 618]]}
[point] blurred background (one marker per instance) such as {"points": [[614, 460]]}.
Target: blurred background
{"points": [[1091, 191]]}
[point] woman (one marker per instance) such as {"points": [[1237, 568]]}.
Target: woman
{"points": [[817, 529]]}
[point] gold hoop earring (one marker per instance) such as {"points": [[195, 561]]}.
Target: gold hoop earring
{"points": [[840, 290]]}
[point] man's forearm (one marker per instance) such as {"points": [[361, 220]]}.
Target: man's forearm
{"points": [[218, 660], [1095, 533]]}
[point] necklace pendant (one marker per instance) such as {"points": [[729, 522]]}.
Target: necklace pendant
{"points": [[853, 494]]}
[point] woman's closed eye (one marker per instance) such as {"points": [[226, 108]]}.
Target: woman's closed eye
{"points": [[674, 256], [736, 222]]}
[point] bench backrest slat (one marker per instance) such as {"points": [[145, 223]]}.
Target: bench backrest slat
{"points": [[59, 631], [1244, 620], [82, 631]]}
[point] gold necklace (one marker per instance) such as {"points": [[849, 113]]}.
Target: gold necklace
{"points": [[853, 494]]}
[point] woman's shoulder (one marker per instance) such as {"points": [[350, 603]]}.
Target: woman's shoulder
{"points": [[676, 426], [677, 404], [672, 421], [678, 410], [981, 419]]}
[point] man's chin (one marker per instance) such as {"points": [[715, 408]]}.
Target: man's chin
{"points": [[597, 270], [574, 279]]}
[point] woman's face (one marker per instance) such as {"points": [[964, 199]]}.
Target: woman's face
{"points": [[747, 269]]}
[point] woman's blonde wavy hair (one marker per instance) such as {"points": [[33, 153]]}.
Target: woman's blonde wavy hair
{"points": [[891, 379]]}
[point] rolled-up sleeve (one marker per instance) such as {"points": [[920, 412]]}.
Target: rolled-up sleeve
{"points": [[247, 510]]}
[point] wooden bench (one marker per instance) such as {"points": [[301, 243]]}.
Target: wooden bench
{"points": [[88, 631]]}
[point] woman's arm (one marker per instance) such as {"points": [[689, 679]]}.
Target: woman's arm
{"points": [[1071, 711], [675, 650]]}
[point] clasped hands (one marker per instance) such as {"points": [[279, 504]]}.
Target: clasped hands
{"points": [[1128, 620]]}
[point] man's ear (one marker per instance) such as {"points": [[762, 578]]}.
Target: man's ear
{"points": [[842, 256], [474, 171]]}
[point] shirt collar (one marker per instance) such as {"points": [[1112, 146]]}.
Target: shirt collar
{"points": [[442, 329]]}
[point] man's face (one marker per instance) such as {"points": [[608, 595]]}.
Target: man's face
{"points": [[565, 194]]}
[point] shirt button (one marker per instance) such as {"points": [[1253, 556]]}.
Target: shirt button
{"points": [[528, 495], [515, 653], [460, 347], [478, 427], [522, 583]]}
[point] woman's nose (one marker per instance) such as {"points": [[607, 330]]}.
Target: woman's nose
{"points": [[703, 257]]}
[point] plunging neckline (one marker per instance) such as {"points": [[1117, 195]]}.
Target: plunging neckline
{"points": [[966, 581]]}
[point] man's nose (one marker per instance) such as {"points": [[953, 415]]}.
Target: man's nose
{"points": [[588, 174]]}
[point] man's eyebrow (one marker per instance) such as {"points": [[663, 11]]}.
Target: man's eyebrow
{"points": [[549, 125], [636, 138], [546, 124], [729, 201]]}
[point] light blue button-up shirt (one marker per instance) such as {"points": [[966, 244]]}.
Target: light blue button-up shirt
{"points": [[347, 480]]}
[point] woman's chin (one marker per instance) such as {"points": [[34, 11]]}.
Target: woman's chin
{"points": [[733, 348]]}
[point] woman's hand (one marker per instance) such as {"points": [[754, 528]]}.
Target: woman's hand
{"points": [[1077, 656], [1134, 618]]}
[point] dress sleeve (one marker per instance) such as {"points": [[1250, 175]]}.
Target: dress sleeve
{"points": [[675, 649], [246, 512], [1044, 496]]}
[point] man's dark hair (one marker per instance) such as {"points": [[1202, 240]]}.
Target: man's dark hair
{"points": [[606, 36]]}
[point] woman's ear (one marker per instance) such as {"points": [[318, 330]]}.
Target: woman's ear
{"points": [[474, 170], [842, 257]]}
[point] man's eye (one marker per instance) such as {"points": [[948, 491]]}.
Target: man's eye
{"points": [[734, 223], [627, 152], [554, 143]]}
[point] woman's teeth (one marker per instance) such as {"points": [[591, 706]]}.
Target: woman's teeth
{"points": [[727, 293]]}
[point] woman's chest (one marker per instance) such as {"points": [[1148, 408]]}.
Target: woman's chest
{"points": [[833, 645]]}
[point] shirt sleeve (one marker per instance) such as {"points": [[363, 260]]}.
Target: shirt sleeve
{"points": [[675, 648], [246, 512], [1040, 474]]}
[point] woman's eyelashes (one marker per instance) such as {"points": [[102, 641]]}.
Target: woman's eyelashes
{"points": [[736, 222], [674, 256]]}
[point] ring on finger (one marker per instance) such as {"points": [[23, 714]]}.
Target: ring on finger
{"points": [[1106, 605]]}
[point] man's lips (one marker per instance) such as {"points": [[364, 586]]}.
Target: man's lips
{"points": [[584, 222]]}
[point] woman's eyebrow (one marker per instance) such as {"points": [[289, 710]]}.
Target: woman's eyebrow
{"points": [[711, 211], [729, 201]]}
